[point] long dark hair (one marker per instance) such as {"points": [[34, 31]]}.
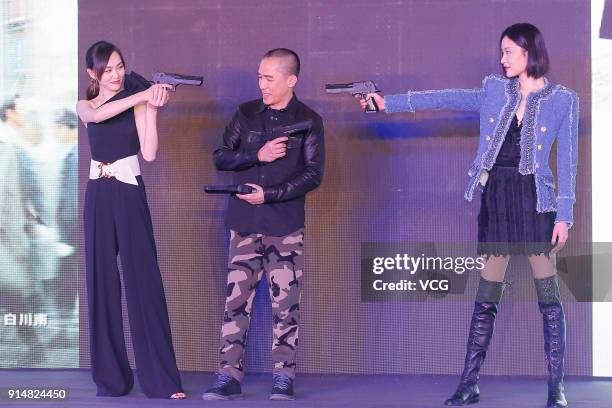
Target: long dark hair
{"points": [[96, 59], [528, 37]]}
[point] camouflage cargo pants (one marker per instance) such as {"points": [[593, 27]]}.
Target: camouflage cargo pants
{"points": [[281, 258]]}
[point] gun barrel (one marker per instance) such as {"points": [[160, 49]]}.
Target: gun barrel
{"points": [[294, 128], [291, 131], [363, 87], [229, 189], [177, 79], [189, 79], [338, 88]]}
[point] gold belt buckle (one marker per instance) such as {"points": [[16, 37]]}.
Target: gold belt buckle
{"points": [[102, 173]]}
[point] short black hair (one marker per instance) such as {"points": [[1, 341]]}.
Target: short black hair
{"points": [[67, 118], [290, 56], [8, 105], [528, 37]]}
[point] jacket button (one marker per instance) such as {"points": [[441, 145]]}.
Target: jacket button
{"points": [[491, 120], [543, 129], [539, 147], [488, 138]]}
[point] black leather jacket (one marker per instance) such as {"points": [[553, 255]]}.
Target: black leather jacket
{"points": [[285, 181]]}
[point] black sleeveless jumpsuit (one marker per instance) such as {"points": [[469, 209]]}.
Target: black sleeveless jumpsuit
{"points": [[117, 221]]}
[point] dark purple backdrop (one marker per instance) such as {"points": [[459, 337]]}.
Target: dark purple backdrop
{"points": [[388, 178]]}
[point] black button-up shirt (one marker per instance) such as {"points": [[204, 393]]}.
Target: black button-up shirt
{"points": [[285, 181]]}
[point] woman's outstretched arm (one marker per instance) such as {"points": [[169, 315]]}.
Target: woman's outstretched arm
{"points": [[88, 112]]}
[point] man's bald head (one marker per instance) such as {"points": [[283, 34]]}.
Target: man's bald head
{"points": [[289, 60]]}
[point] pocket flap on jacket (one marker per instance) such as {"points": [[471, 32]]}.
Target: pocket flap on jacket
{"points": [[548, 181]]}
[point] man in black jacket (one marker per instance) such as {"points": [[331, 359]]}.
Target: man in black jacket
{"points": [[267, 226]]}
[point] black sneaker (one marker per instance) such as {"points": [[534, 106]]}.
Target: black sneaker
{"points": [[282, 389], [225, 388]]}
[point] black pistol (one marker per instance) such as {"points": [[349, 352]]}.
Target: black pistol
{"points": [[176, 80], [229, 189], [292, 131], [357, 88]]}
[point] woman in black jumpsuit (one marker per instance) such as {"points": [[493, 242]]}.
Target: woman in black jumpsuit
{"points": [[120, 114]]}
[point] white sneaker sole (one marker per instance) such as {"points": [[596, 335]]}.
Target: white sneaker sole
{"points": [[211, 396], [281, 397]]}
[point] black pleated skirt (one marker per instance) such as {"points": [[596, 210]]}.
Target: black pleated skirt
{"points": [[508, 223]]}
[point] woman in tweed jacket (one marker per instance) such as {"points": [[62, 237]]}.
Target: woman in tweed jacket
{"points": [[521, 115]]}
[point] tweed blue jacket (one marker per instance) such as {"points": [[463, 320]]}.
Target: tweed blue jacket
{"points": [[551, 113]]}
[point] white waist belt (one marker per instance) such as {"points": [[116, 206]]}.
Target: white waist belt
{"points": [[124, 170]]}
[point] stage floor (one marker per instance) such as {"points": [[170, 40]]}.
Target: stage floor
{"points": [[321, 391]]}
